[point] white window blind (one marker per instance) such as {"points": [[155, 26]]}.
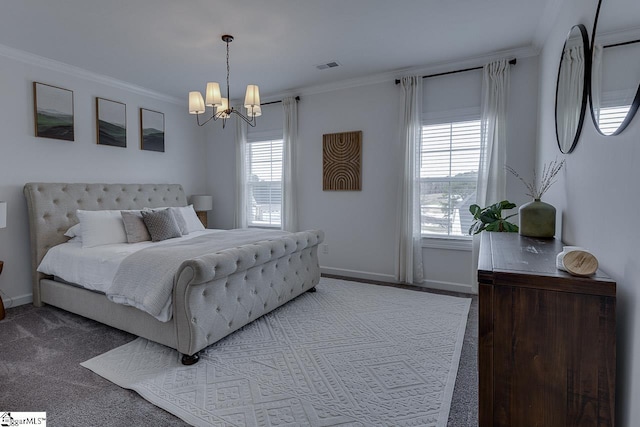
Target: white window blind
{"points": [[449, 159], [611, 118], [264, 183]]}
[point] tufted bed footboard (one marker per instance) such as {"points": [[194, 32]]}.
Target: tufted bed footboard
{"points": [[216, 294], [213, 294]]}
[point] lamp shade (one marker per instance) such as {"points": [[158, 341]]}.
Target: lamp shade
{"points": [[222, 108], [254, 111], [213, 96], [252, 97], [3, 214], [202, 203], [196, 103]]}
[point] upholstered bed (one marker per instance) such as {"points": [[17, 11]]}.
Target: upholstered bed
{"points": [[213, 294]]}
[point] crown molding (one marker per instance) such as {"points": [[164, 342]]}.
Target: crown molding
{"points": [[53, 65], [610, 37], [523, 52], [81, 73], [476, 61]]}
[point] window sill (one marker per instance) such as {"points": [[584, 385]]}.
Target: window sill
{"points": [[450, 243]]}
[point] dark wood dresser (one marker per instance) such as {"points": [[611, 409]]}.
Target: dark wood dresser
{"points": [[547, 340]]}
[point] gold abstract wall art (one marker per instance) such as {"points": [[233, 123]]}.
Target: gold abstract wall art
{"points": [[342, 161]]}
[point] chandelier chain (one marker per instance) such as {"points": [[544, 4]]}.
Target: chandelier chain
{"points": [[228, 68]]}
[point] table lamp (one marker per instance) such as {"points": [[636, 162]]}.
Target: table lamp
{"points": [[202, 204]]}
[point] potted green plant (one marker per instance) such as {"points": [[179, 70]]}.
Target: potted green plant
{"points": [[490, 218]]}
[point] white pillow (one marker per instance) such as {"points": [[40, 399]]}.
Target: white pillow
{"points": [[191, 218], [74, 231], [101, 228]]}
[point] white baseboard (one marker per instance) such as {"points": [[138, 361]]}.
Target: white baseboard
{"points": [[388, 278], [447, 286], [10, 302], [358, 274]]}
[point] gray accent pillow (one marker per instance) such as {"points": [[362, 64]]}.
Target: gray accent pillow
{"points": [[162, 225], [182, 223], [135, 227]]}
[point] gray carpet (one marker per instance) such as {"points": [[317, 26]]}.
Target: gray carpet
{"points": [[40, 353]]}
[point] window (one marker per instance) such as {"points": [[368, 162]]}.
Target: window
{"points": [[449, 160], [264, 183], [611, 118]]}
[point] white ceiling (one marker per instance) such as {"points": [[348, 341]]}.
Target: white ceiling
{"points": [[174, 46]]}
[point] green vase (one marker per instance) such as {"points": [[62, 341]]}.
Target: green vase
{"points": [[537, 219]]}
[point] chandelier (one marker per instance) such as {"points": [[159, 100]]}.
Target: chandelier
{"points": [[220, 106]]}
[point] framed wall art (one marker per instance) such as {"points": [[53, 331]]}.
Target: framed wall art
{"points": [[342, 161], [53, 108], [151, 130], [111, 122]]}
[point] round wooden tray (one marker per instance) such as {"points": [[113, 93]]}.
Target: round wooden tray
{"points": [[580, 263]]}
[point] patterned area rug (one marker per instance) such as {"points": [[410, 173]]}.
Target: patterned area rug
{"points": [[351, 354]]}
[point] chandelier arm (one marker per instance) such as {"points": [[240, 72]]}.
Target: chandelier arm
{"points": [[206, 121], [251, 122], [220, 115]]}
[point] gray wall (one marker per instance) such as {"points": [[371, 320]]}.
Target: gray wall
{"points": [[597, 200], [25, 158], [361, 227]]}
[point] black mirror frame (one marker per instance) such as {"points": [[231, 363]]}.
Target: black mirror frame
{"points": [[636, 100], [585, 90]]}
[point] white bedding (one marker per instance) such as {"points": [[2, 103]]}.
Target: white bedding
{"points": [[94, 268]]}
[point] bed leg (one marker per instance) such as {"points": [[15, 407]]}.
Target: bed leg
{"points": [[312, 289], [190, 360]]}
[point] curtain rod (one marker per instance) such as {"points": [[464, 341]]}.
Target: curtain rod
{"points": [[511, 62], [621, 44], [277, 102]]}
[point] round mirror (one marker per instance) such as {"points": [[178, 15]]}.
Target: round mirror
{"points": [[615, 77], [571, 88]]}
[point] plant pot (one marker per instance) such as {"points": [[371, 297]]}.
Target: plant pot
{"points": [[537, 219]]}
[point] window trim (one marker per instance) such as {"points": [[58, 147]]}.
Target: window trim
{"points": [[456, 243], [256, 138], [264, 136], [448, 116], [441, 241]]}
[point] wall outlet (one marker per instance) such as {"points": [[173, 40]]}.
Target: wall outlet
{"points": [[324, 248]]}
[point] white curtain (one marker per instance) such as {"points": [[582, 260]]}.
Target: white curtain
{"points": [[570, 90], [596, 81], [410, 269], [240, 220], [289, 142], [492, 178]]}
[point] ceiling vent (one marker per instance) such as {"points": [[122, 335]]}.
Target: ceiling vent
{"points": [[332, 64]]}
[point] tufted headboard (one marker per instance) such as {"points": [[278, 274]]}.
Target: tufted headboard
{"points": [[52, 210]]}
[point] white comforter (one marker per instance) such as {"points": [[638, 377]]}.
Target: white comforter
{"points": [[140, 274], [94, 268]]}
